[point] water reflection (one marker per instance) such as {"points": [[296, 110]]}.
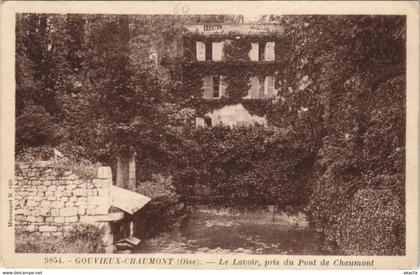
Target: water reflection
{"points": [[234, 232]]}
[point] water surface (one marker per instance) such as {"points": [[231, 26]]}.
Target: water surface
{"points": [[209, 230]]}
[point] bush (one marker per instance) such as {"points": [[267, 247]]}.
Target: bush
{"points": [[251, 166], [26, 242], [159, 186], [35, 127], [162, 212], [32, 154], [85, 238], [79, 166], [81, 238], [358, 200], [373, 224], [241, 166]]}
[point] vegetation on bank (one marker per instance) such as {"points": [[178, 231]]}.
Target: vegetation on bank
{"points": [[45, 157], [80, 238], [166, 204], [335, 147], [358, 199]]}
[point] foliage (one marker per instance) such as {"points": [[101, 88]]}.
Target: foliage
{"points": [[236, 49], [159, 186], [236, 68], [237, 85], [159, 215], [35, 127], [373, 223], [202, 106], [37, 62], [354, 163], [81, 238], [49, 49], [339, 145], [78, 67], [162, 212], [86, 238], [36, 243], [358, 77], [31, 156], [84, 169], [236, 74], [244, 166]]}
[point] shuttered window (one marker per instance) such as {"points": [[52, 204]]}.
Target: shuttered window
{"points": [[222, 87], [253, 53], [217, 52], [253, 91], [261, 87], [269, 51], [200, 51], [207, 86], [214, 87], [263, 51]]}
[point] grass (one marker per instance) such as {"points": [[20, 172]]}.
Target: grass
{"points": [[81, 238]]}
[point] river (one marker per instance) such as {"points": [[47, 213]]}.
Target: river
{"points": [[227, 231]]}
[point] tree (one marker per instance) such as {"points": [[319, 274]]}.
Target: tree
{"points": [[356, 67], [35, 127]]}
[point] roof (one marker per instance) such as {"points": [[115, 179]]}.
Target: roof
{"points": [[214, 28], [127, 200]]}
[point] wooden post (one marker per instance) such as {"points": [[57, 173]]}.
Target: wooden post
{"points": [[132, 172], [126, 179]]}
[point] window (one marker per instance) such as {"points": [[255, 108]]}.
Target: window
{"points": [[216, 86], [269, 51], [209, 51], [253, 53], [269, 87], [217, 51], [207, 121], [261, 86], [200, 51], [263, 51]]}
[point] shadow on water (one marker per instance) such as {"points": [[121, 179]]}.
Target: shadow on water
{"points": [[234, 232]]}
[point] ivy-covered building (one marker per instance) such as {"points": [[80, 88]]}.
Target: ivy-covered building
{"points": [[231, 65]]}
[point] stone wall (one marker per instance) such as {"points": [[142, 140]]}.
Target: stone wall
{"points": [[50, 201]]}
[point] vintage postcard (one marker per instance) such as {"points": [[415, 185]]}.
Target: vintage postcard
{"points": [[216, 135]]}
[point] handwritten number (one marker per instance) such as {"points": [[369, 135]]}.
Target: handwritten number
{"points": [[181, 8]]}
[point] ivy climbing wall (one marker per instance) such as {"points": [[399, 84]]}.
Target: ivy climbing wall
{"points": [[49, 201], [237, 71]]}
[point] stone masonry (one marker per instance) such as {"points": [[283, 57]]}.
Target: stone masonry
{"points": [[51, 201]]}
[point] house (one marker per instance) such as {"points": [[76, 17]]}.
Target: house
{"points": [[209, 42]]}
